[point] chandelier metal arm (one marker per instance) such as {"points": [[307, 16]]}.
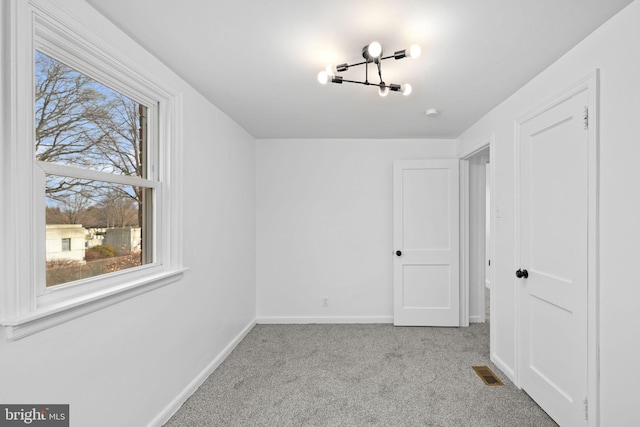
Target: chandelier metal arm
{"points": [[388, 57], [346, 66], [366, 83], [366, 73], [392, 86], [379, 71]]}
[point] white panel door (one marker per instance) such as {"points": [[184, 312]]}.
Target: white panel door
{"points": [[553, 224], [426, 243]]}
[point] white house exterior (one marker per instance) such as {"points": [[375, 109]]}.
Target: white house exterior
{"points": [[124, 239], [65, 242]]}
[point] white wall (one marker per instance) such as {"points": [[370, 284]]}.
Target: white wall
{"points": [[125, 364], [324, 226], [613, 48]]}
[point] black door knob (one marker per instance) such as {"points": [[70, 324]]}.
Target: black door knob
{"points": [[522, 273], [399, 253]]}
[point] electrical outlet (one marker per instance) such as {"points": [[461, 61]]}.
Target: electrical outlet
{"points": [[325, 301]]}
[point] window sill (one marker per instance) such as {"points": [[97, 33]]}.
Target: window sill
{"points": [[50, 316]]}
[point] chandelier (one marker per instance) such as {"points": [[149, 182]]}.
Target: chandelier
{"points": [[372, 54]]}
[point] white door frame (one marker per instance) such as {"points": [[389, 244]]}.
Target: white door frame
{"points": [[464, 157], [590, 84]]}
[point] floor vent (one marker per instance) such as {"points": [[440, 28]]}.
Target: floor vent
{"points": [[487, 375]]}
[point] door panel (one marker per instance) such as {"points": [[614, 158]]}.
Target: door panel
{"points": [[433, 204], [553, 188], [416, 295], [426, 230]]}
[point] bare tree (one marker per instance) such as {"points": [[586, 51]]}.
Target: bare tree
{"points": [[81, 122], [67, 104], [54, 215], [123, 144], [119, 210], [74, 208]]}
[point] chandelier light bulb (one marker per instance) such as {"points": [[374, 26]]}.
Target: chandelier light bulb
{"points": [[414, 51], [374, 49], [323, 77], [406, 89], [331, 70], [383, 91]]}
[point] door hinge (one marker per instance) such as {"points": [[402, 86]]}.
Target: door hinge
{"points": [[585, 401], [586, 118]]}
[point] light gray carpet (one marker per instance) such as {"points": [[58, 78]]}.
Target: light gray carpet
{"points": [[358, 375]]}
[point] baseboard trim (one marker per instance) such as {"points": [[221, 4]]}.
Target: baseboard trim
{"points": [[475, 319], [173, 407], [273, 320], [504, 368]]}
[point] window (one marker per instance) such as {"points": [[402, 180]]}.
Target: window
{"points": [[82, 123], [90, 175]]}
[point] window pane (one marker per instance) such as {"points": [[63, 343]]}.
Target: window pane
{"points": [[84, 123], [94, 228]]}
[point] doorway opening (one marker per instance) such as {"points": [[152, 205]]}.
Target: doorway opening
{"points": [[478, 234]]}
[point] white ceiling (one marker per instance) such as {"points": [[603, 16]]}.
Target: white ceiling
{"points": [[258, 60]]}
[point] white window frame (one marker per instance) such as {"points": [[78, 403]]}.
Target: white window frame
{"points": [[27, 305]]}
